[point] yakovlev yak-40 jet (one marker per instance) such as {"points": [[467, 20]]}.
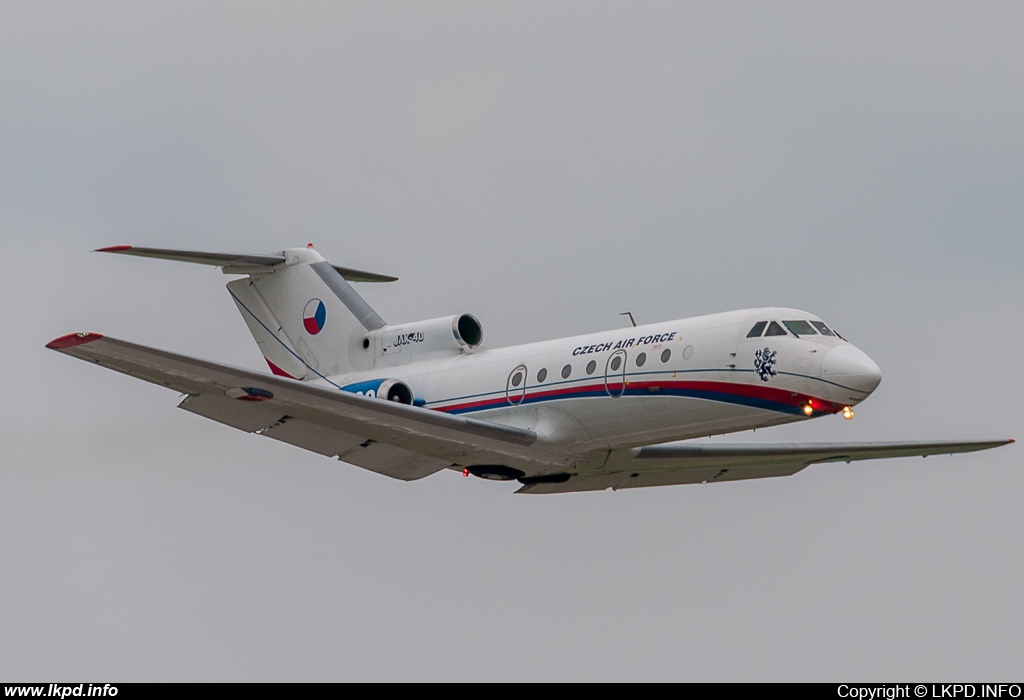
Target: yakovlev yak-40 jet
{"points": [[585, 413]]}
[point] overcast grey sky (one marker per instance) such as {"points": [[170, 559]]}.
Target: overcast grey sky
{"points": [[544, 166]]}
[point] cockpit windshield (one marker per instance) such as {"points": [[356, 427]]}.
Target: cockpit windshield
{"points": [[757, 330], [822, 328], [799, 328]]}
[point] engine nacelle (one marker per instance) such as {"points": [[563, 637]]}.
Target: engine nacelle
{"points": [[389, 389], [438, 336]]}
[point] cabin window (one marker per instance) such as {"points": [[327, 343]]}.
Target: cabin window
{"points": [[822, 328], [641, 359], [666, 355], [800, 327], [566, 371], [775, 329], [542, 375], [517, 379], [757, 330], [591, 366], [616, 363]]}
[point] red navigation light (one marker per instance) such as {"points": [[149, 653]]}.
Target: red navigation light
{"points": [[465, 472]]}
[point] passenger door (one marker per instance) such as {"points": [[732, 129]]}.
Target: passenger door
{"points": [[615, 374], [515, 387]]}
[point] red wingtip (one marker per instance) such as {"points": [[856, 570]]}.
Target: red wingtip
{"points": [[1012, 440], [71, 340], [113, 249]]}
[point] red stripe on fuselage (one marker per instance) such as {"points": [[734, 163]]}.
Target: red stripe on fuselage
{"points": [[754, 391]]}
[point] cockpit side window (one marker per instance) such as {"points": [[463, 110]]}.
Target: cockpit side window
{"points": [[800, 327], [822, 328], [775, 329], [758, 328]]}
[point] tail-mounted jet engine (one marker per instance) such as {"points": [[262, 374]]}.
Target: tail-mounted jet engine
{"points": [[390, 389], [449, 335]]}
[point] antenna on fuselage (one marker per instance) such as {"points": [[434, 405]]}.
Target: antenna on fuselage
{"points": [[630, 314]]}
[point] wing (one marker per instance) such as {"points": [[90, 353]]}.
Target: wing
{"points": [[234, 262], [400, 441], [701, 463]]}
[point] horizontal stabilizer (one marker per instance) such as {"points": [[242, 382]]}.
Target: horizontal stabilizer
{"points": [[229, 260]]}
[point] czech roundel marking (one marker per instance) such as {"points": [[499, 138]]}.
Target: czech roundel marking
{"points": [[314, 316]]}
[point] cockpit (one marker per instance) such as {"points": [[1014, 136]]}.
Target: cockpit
{"points": [[799, 328]]}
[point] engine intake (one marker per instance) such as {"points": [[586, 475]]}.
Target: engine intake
{"points": [[467, 330]]}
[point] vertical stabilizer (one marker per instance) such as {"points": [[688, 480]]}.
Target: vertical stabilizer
{"points": [[307, 320]]}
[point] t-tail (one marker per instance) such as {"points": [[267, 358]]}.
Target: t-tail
{"points": [[306, 318]]}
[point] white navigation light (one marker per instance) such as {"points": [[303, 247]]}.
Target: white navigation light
{"points": [[848, 413], [808, 409]]}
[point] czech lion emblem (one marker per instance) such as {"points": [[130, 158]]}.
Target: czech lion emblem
{"points": [[764, 362]]}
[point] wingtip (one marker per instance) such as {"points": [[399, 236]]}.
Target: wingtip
{"points": [[71, 340], [113, 249]]}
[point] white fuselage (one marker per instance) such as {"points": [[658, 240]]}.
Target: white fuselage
{"points": [[636, 386]]}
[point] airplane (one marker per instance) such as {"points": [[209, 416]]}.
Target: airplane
{"points": [[612, 410]]}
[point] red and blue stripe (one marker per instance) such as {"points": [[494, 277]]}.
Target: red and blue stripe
{"points": [[752, 395]]}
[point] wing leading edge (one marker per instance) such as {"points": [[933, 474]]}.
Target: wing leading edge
{"points": [[400, 441], [701, 463]]}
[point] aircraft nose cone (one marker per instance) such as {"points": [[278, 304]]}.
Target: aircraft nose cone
{"points": [[850, 367]]}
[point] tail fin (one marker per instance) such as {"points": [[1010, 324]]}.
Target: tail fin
{"points": [[306, 319]]}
